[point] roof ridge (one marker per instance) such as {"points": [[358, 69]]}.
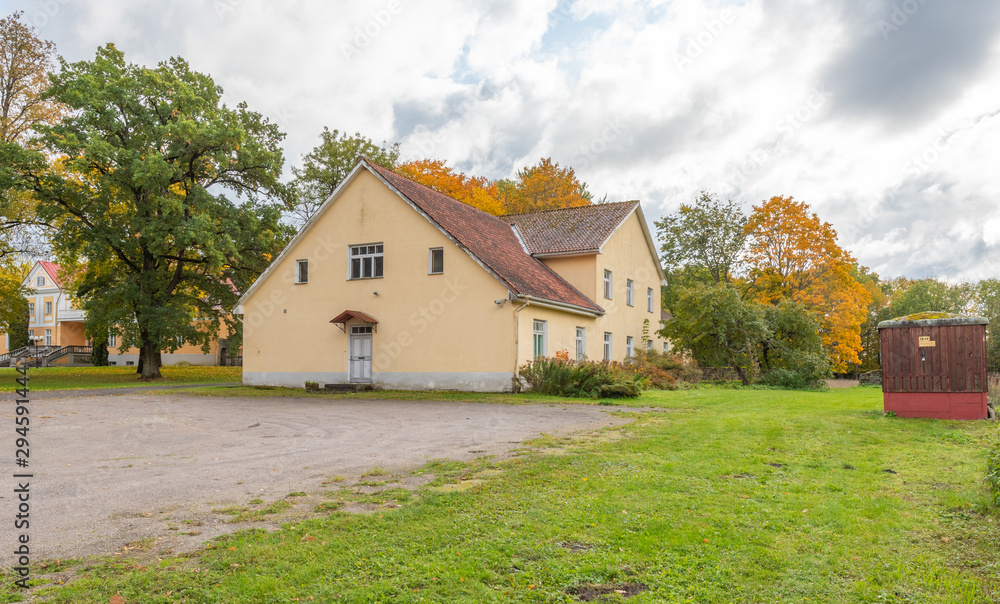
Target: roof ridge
{"points": [[588, 206]]}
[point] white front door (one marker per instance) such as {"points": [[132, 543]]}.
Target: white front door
{"points": [[361, 353]]}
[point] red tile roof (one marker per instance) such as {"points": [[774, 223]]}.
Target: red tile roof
{"points": [[347, 315], [53, 271], [570, 230], [491, 241]]}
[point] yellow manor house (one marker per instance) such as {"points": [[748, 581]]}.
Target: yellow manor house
{"points": [[56, 328], [393, 284]]}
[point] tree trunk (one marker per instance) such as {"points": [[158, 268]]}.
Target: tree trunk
{"points": [[741, 374], [149, 362]]}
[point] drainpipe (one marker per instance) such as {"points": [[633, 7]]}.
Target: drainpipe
{"points": [[525, 304]]}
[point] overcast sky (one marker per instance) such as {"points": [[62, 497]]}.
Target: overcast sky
{"points": [[881, 114]]}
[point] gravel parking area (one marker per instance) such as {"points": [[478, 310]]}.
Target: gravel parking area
{"points": [[112, 470]]}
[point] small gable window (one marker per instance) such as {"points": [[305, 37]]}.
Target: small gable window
{"points": [[435, 261], [40, 281], [649, 299], [302, 271], [366, 261]]}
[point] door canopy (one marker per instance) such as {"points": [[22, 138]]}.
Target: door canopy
{"points": [[342, 319]]}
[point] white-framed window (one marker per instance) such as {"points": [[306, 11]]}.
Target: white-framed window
{"points": [[607, 284], [40, 281], [302, 271], [581, 343], [48, 337], [435, 261], [649, 345], [112, 341], [48, 308], [666, 347], [607, 346], [366, 261], [649, 299], [629, 292], [629, 347], [180, 341], [31, 309], [539, 333], [361, 329]]}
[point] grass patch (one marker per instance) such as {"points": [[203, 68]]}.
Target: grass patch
{"points": [[75, 378], [734, 496]]}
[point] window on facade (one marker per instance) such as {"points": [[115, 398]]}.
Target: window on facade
{"points": [[629, 292], [180, 340], [361, 329], [302, 271], [666, 347], [539, 333], [435, 261], [607, 346], [581, 343], [629, 347], [649, 345], [48, 337], [649, 299], [48, 308], [112, 341], [31, 309], [607, 284], [40, 281], [366, 261]]}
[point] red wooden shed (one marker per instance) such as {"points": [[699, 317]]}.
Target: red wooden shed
{"points": [[934, 365]]}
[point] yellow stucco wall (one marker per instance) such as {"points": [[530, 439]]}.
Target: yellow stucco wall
{"points": [[578, 271], [628, 256], [446, 325]]}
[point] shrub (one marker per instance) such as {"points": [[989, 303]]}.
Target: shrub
{"points": [[993, 471], [663, 370], [561, 377]]}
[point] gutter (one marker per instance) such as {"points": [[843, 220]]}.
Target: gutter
{"points": [[576, 310]]}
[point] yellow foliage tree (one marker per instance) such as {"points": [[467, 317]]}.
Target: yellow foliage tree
{"points": [[544, 187], [793, 255], [476, 191]]}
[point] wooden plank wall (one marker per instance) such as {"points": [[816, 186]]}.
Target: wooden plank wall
{"points": [[957, 362]]}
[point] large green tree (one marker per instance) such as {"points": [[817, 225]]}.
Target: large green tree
{"points": [[718, 328], [909, 297], [329, 163], [705, 238], [988, 305], [138, 195]]}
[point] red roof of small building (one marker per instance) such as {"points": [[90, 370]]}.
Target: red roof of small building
{"points": [[347, 315], [53, 271], [490, 240], [570, 230]]}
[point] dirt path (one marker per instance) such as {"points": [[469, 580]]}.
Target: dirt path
{"points": [[110, 470]]}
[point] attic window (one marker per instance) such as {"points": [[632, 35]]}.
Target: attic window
{"points": [[40, 281]]}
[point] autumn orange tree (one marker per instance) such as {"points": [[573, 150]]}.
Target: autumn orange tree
{"points": [[545, 186], [477, 191], [793, 255]]}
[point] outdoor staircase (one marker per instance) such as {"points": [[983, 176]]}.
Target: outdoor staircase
{"points": [[45, 356]]}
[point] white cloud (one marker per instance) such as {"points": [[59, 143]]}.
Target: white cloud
{"points": [[892, 142]]}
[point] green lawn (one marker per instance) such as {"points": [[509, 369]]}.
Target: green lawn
{"points": [[726, 496], [71, 378]]}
